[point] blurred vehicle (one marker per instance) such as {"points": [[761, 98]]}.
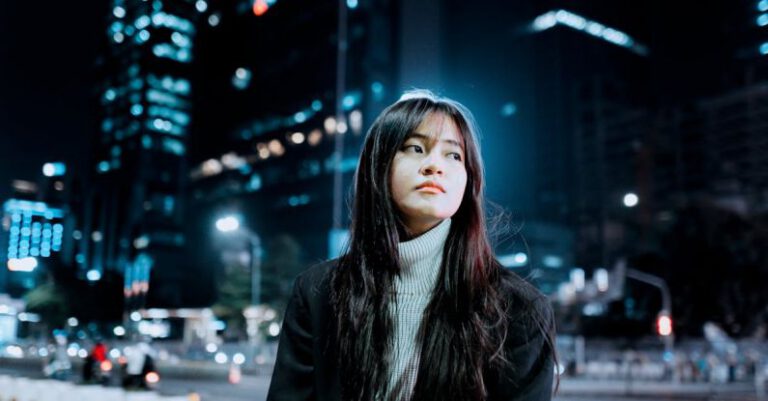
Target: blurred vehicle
{"points": [[11, 351]]}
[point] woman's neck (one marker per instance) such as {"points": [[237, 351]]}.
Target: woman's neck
{"points": [[413, 230]]}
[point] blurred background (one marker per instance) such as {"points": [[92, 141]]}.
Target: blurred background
{"points": [[167, 167]]}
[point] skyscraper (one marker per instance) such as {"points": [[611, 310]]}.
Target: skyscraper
{"points": [[132, 224]]}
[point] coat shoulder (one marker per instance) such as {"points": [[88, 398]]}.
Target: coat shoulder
{"points": [[318, 271], [518, 290], [526, 305], [315, 280]]}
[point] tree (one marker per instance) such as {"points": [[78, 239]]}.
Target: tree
{"points": [[282, 263], [234, 295], [50, 301]]}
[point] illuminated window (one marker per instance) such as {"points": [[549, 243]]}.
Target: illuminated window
{"points": [[377, 88], [162, 19], [168, 203], [298, 200], [508, 109], [137, 109], [174, 146], [54, 169], [34, 228], [762, 20], [109, 95], [254, 184], [118, 12], [181, 40], [143, 36], [116, 26], [241, 78], [178, 117], [165, 50], [146, 142], [351, 100], [103, 166], [142, 22]]}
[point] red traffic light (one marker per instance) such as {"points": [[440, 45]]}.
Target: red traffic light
{"points": [[664, 325], [260, 7]]}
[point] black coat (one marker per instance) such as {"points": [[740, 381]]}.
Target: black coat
{"points": [[304, 370]]}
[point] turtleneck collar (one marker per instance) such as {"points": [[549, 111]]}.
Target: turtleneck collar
{"points": [[420, 260], [425, 245]]}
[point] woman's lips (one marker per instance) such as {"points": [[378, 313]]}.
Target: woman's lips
{"points": [[431, 187]]}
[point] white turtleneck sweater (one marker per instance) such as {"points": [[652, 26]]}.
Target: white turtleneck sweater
{"points": [[420, 260]]}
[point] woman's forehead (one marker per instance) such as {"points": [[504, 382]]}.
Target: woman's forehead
{"points": [[439, 126]]}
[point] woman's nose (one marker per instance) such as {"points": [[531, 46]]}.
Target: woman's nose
{"points": [[431, 166]]}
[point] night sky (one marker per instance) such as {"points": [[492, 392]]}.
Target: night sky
{"points": [[47, 69]]}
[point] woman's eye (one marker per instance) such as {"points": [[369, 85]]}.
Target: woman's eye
{"points": [[455, 156], [416, 148]]}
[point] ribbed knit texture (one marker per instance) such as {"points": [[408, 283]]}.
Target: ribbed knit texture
{"points": [[420, 259]]}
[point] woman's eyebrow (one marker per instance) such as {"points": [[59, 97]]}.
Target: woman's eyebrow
{"points": [[426, 138]]}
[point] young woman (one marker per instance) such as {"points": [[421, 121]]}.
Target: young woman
{"points": [[417, 308]]}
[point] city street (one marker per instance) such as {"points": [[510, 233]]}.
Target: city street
{"points": [[254, 388]]}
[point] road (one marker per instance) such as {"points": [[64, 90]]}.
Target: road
{"points": [[251, 388], [254, 388]]}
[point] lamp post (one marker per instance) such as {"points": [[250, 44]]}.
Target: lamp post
{"points": [[231, 225], [664, 318]]}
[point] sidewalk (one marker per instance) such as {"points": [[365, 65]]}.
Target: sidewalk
{"points": [[573, 386]]}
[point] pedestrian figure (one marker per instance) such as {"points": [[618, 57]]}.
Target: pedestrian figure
{"points": [[93, 361], [139, 362]]}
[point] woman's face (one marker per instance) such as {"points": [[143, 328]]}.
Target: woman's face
{"points": [[428, 176]]}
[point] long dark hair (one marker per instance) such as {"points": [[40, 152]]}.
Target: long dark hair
{"points": [[464, 327]]}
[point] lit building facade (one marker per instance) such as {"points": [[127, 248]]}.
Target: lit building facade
{"points": [[696, 138], [36, 231], [134, 214], [32, 232]]}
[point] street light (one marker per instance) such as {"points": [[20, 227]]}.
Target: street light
{"points": [[630, 199], [230, 224], [54, 169]]}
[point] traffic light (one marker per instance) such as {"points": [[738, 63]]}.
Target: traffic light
{"points": [[260, 7], [664, 324]]}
